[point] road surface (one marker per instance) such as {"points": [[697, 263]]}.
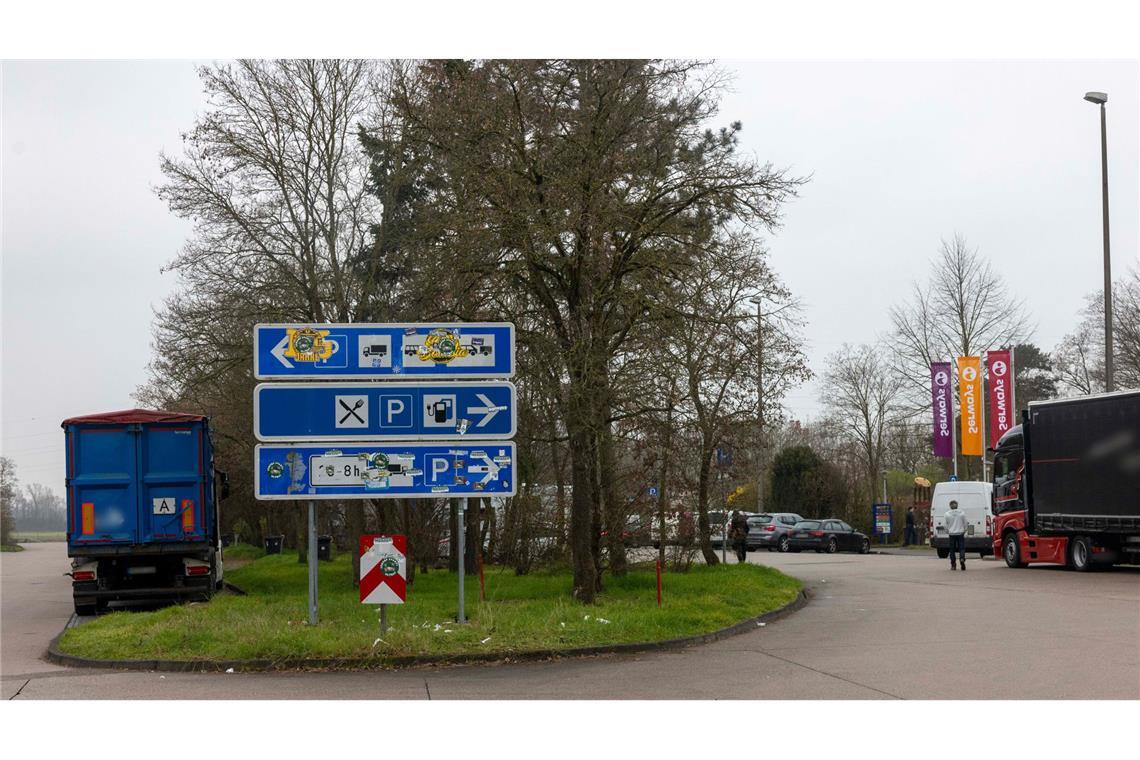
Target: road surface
{"points": [[877, 627]]}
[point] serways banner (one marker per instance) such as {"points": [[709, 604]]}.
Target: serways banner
{"points": [[942, 394], [969, 401]]}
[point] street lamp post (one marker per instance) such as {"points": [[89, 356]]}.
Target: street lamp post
{"points": [[761, 460], [1101, 98]]}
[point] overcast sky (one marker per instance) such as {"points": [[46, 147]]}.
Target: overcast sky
{"points": [[900, 154]]}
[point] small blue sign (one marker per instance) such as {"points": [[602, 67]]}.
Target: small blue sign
{"points": [[363, 351], [385, 470], [881, 519], [653, 491], [425, 411]]}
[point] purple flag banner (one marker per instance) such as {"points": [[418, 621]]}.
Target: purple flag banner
{"points": [[940, 388]]}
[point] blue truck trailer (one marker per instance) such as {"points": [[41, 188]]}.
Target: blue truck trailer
{"points": [[142, 512]]}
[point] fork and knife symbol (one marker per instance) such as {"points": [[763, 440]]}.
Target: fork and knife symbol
{"points": [[351, 410]]}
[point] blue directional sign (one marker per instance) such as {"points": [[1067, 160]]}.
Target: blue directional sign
{"points": [[362, 351], [384, 411], [384, 470]]}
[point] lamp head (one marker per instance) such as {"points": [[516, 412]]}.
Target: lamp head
{"points": [[1097, 97]]}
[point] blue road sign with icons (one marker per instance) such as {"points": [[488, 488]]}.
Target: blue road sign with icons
{"points": [[384, 470], [384, 411], [363, 351]]}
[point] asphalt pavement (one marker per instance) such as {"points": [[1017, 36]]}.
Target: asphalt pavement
{"points": [[879, 626]]}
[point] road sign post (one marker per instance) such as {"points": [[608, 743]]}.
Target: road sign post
{"points": [[312, 562], [460, 545], [407, 437]]}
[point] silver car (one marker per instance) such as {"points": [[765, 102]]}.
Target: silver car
{"points": [[769, 530]]}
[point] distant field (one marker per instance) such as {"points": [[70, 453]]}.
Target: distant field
{"points": [[38, 537]]}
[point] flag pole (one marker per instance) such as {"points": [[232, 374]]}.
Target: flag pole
{"points": [[953, 422]]}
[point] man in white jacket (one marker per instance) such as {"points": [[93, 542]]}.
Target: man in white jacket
{"points": [[956, 528]]}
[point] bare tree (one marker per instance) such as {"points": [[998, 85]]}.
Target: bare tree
{"points": [[1078, 359], [861, 393], [274, 181], [8, 486], [964, 309]]}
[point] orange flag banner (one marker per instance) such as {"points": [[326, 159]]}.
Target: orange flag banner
{"points": [[970, 404]]}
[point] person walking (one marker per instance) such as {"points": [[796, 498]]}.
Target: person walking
{"points": [[956, 528], [738, 532], [911, 535]]}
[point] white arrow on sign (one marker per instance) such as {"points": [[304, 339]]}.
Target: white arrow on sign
{"points": [[491, 469], [489, 410], [279, 352]]}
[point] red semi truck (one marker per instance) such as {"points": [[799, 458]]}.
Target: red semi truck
{"points": [[1067, 483]]}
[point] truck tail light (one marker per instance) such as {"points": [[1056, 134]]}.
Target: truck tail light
{"points": [[198, 570], [83, 575], [989, 525]]}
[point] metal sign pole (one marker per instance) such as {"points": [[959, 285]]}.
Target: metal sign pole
{"points": [[383, 619], [312, 563], [460, 547]]}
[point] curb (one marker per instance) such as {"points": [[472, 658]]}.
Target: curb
{"points": [[193, 666]]}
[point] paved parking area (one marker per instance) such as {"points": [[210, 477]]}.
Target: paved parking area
{"points": [[879, 626]]}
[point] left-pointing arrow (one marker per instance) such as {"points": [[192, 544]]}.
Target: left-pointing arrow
{"points": [[279, 352]]}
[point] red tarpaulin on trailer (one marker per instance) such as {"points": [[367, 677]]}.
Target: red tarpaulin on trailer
{"points": [[130, 416]]}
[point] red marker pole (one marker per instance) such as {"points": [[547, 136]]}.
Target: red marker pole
{"points": [[658, 583]]}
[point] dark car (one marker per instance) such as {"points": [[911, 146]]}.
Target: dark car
{"points": [[770, 530], [829, 535]]}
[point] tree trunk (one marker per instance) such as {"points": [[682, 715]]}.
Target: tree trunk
{"points": [[453, 532], [354, 525], [301, 532], [703, 509], [614, 517], [471, 537], [413, 539], [582, 513]]}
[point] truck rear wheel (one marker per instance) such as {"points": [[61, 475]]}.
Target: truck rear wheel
{"points": [[1011, 551], [1080, 554]]}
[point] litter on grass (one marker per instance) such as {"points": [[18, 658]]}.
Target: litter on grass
{"points": [[378, 641], [603, 620], [484, 641], [229, 670]]}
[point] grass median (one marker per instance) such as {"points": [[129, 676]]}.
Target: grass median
{"points": [[521, 613]]}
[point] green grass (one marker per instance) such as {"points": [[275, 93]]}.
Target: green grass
{"points": [[244, 552], [522, 613], [11, 548], [39, 537]]}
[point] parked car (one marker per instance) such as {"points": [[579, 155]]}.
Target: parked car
{"points": [[771, 530], [829, 535]]}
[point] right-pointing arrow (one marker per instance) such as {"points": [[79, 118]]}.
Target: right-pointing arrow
{"points": [[488, 410]]}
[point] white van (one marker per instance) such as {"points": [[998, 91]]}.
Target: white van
{"points": [[975, 498]]}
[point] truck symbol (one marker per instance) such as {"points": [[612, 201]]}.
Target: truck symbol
{"points": [[378, 350]]}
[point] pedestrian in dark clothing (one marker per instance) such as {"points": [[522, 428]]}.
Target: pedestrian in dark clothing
{"points": [[738, 533], [911, 536]]}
